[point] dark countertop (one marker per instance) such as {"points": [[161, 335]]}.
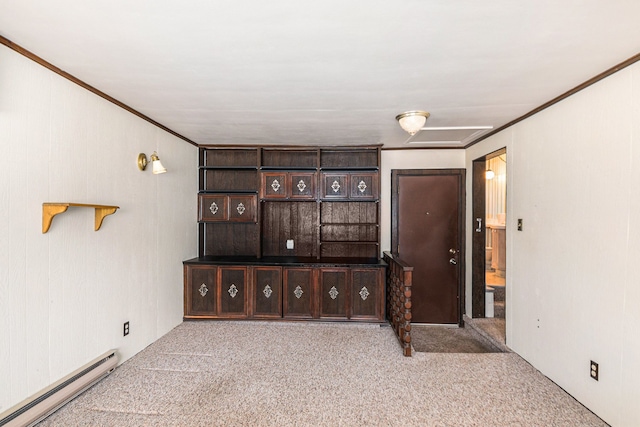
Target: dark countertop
{"points": [[288, 261]]}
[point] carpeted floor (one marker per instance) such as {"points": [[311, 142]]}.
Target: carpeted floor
{"points": [[316, 374], [445, 339]]}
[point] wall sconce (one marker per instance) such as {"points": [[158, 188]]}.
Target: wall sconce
{"points": [[155, 163], [412, 121], [489, 174]]}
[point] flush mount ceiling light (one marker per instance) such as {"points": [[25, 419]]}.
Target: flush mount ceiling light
{"points": [[412, 121]]}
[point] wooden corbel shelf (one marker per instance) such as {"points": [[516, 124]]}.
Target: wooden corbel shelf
{"points": [[49, 210]]}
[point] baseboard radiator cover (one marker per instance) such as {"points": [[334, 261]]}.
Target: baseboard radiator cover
{"points": [[39, 406]]}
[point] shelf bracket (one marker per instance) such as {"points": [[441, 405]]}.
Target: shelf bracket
{"points": [[49, 210]]}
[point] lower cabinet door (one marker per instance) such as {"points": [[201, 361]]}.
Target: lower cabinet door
{"points": [[267, 292], [367, 294], [233, 292], [333, 293], [200, 290], [298, 293]]}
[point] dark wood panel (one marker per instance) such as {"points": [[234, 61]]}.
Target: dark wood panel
{"points": [[230, 180], [349, 233], [349, 159], [289, 220], [298, 293], [290, 158], [333, 293], [367, 288], [234, 239], [267, 294], [348, 249], [349, 213], [231, 157]]}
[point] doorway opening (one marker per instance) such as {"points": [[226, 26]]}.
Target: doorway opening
{"points": [[489, 244]]}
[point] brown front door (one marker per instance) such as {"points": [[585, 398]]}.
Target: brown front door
{"points": [[427, 232]]}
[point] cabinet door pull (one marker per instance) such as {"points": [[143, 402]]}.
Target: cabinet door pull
{"points": [[203, 290]]}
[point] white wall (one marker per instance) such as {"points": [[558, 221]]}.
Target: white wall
{"points": [[573, 282], [65, 295], [409, 159]]}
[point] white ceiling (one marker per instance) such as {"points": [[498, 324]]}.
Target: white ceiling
{"points": [[330, 72]]}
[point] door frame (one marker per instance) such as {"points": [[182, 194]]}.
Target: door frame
{"points": [[462, 188], [479, 234]]}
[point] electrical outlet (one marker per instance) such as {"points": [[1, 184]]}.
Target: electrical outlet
{"points": [[126, 328], [594, 370], [289, 243]]}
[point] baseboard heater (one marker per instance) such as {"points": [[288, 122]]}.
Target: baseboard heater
{"points": [[37, 407]]}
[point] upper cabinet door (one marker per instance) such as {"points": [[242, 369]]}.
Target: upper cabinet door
{"points": [[364, 186], [274, 185], [212, 207], [303, 185], [288, 185], [242, 208], [335, 185]]}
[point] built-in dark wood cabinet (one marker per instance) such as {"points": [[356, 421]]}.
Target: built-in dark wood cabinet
{"points": [[287, 233]]}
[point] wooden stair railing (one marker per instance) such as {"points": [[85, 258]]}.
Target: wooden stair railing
{"points": [[399, 275]]}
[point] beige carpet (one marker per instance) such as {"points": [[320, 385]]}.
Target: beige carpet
{"points": [[316, 374]]}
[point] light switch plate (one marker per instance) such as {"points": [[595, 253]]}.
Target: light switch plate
{"points": [[289, 243]]}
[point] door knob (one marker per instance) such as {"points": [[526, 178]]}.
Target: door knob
{"points": [[453, 261], [452, 251]]}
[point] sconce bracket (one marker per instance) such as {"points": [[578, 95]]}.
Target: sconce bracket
{"points": [[142, 161]]}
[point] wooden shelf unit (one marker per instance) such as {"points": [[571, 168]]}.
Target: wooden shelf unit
{"points": [[324, 199]]}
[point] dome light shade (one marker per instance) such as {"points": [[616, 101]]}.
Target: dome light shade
{"points": [[412, 121]]}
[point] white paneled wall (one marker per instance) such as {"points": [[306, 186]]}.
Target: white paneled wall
{"points": [[65, 295], [572, 273]]}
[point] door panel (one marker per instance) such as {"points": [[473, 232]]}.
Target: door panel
{"points": [[429, 230]]}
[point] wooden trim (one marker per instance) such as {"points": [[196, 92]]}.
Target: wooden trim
{"points": [[478, 257], [423, 148], [24, 52], [567, 94]]}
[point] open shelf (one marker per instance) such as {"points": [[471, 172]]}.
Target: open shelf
{"points": [[49, 210]]}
